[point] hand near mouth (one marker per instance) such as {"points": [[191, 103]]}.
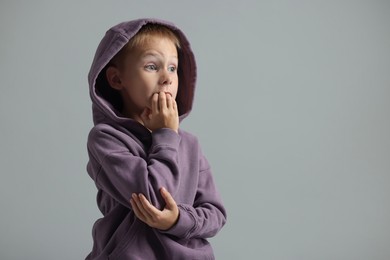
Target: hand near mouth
{"points": [[162, 114]]}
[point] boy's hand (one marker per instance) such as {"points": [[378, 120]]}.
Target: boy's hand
{"points": [[155, 218], [163, 113]]}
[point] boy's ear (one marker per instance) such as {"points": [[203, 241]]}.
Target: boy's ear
{"points": [[112, 75]]}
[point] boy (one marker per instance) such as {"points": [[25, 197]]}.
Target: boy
{"points": [[155, 188]]}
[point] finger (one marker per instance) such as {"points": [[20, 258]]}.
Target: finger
{"points": [[170, 202], [140, 207], [137, 211], [169, 100], [155, 102], [148, 207], [174, 105], [145, 115], [162, 101]]}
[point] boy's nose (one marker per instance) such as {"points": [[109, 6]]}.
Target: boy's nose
{"points": [[166, 82], [165, 79]]}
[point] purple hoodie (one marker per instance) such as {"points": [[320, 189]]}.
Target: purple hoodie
{"points": [[126, 158]]}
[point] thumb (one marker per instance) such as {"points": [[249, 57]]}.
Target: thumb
{"points": [[145, 115], [170, 202]]}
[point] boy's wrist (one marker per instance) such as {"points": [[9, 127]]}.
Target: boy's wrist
{"points": [[164, 130], [166, 136]]}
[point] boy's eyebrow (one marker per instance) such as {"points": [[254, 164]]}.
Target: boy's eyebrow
{"points": [[155, 54]]}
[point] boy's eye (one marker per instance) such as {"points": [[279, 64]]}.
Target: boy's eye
{"points": [[151, 67], [171, 68]]}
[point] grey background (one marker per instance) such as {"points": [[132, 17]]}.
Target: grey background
{"points": [[292, 110]]}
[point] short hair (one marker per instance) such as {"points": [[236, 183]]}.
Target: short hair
{"points": [[141, 37]]}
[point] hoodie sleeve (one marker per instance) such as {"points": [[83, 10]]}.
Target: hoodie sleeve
{"points": [[120, 167], [207, 215]]}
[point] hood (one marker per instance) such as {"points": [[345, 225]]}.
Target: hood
{"points": [[117, 37]]}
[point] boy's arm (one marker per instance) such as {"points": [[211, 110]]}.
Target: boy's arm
{"points": [[120, 172], [201, 220]]}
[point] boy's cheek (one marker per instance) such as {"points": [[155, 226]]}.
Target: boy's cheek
{"points": [[149, 101]]}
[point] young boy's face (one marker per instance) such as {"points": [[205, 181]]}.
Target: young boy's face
{"points": [[148, 69]]}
